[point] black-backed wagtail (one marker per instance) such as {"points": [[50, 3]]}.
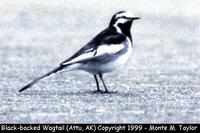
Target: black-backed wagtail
{"points": [[109, 50]]}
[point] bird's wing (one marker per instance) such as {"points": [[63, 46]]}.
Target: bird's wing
{"points": [[107, 41], [86, 50]]}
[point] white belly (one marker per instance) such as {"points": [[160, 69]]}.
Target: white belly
{"points": [[112, 65]]}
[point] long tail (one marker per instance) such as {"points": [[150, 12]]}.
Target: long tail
{"points": [[36, 80]]}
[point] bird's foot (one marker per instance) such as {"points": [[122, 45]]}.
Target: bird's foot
{"points": [[110, 92], [98, 91], [104, 92]]}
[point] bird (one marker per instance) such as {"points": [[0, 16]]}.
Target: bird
{"points": [[107, 51]]}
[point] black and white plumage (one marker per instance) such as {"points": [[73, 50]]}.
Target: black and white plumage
{"points": [[109, 50]]}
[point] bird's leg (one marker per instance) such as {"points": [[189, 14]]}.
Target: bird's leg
{"points": [[101, 77], [97, 83]]}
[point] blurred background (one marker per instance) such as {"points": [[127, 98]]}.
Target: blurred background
{"points": [[160, 83]]}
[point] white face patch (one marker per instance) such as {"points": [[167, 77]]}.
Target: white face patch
{"points": [[121, 21], [122, 18], [117, 28]]}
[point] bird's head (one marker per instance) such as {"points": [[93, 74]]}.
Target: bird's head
{"points": [[123, 20]]}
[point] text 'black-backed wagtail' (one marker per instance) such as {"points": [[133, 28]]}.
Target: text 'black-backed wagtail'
{"points": [[109, 50]]}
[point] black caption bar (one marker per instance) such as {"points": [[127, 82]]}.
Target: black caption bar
{"points": [[53, 128]]}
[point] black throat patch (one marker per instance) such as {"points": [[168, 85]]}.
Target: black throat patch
{"points": [[125, 28]]}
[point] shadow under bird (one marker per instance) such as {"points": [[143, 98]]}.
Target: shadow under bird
{"points": [[106, 52]]}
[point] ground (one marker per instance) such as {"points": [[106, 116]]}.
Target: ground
{"points": [[160, 82]]}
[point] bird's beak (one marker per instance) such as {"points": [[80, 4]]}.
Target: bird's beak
{"points": [[135, 18]]}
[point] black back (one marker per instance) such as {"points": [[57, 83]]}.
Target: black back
{"points": [[107, 37]]}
